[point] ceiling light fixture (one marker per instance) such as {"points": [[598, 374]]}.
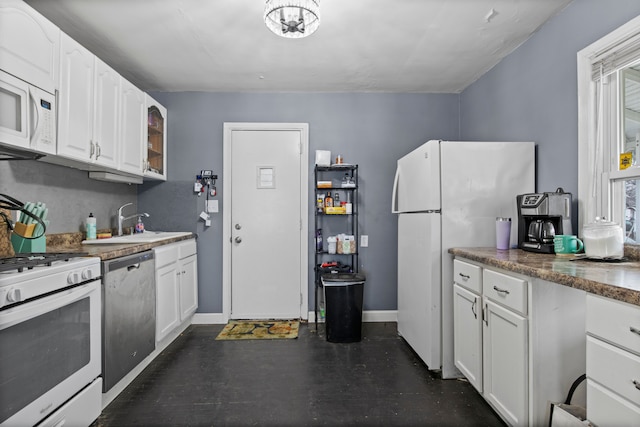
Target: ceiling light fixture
{"points": [[293, 19]]}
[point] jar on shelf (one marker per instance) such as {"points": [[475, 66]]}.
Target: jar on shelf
{"points": [[328, 200]]}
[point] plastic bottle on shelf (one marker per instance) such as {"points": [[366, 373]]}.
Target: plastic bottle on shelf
{"points": [[90, 227], [319, 240], [336, 200]]}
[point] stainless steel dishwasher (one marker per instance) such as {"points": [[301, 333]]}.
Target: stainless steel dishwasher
{"points": [[128, 315]]}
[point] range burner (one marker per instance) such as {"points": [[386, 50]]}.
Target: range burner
{"points": [[30, 260]]}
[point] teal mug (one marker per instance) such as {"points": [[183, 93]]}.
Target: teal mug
{"points": [[565, 244]]}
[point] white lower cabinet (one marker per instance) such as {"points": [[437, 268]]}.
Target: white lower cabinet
{"points": [[467, 334], [188, 275], [613, 362], [505, 362], [518, 340], [176, 285], [167, 296]]}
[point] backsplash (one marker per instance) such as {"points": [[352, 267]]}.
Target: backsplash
{"points": [[68, 193]]}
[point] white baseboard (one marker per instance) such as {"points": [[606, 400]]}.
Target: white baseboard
{"points": [[380, 316], [367, 316], [209, 319]]}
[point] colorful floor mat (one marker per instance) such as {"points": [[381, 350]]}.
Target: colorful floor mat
{"points": [[259, 330]]}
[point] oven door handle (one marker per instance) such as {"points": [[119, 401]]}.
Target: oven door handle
{"points": [[14, 315]]}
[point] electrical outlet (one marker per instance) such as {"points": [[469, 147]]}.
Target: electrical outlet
{"points": [[364, 241]]}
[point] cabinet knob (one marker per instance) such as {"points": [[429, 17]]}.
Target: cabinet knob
{"points": [[238, 227], [238, 239]]}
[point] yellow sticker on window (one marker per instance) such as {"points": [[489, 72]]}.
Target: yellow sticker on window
{"points": [[625, 160]]}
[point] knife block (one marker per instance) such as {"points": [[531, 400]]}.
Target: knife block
{"points": [[25, 246]]}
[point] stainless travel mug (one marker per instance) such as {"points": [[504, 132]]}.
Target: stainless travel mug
{"points": [[503, 232]]}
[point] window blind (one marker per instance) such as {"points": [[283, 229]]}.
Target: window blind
{"points": [[616, 56]]}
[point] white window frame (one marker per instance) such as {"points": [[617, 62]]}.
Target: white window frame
{"points": [[600, 183]]}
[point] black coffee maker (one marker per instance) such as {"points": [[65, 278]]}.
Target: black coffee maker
{"points": [[541, 217]]}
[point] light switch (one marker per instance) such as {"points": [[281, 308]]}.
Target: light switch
{"points": [[364, 241], [212, 206]]}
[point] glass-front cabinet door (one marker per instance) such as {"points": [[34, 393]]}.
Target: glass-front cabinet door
{"points": [[155, 163]]}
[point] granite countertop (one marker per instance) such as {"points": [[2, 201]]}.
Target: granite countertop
{"points": [[616, 280], [72, 242]]}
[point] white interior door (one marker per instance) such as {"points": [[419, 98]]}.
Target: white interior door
{"points": [[267, 232]]}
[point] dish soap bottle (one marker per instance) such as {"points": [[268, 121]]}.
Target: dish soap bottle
{"points": [[90, 227], [139, 226]]}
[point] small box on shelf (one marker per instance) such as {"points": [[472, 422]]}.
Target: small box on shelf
{"points": [[335, 210]]}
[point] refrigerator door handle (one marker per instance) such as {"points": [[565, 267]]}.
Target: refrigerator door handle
{"points": [[394, 195]]}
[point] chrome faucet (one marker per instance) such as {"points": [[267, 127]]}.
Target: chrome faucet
{"points": [[122, 219]]}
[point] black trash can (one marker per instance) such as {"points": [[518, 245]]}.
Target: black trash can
{"points": [[343, 294]]}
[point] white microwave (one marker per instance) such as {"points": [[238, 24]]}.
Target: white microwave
{"points": [[27, 116]]}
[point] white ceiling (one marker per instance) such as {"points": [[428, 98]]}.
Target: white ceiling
{"points": [[437, 46]]}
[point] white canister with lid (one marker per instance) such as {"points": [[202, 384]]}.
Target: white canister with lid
{"points": [[603, 239], [331, 244]]}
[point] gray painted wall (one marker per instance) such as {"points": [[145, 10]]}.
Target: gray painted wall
{"points": [[372, 130], [69, 193], [532, 94]]}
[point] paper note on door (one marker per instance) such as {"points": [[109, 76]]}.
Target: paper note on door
{"points": [[266, 177]]}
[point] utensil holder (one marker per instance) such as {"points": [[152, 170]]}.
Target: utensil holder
{"points": [[23, 245]]}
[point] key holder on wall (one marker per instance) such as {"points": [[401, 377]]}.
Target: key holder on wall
{"points": [[206, 183]]}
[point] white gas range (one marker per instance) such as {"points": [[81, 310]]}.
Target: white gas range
{"points": [[50, 339]]}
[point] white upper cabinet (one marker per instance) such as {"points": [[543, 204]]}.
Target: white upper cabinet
{"points": [[105, 123], [106, 120], [88, 100], [29, 45], [75, 112], [133, 117], [155, 152]]}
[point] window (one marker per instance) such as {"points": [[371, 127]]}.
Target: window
{"points": [[630, 103], [609, 130]]}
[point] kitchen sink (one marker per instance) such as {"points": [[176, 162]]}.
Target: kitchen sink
{"points": [[146, 237]]}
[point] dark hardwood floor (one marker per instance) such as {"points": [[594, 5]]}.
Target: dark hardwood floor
{"points": [[379, 381]]}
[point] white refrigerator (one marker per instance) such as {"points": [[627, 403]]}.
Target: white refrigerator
{"points": [[448, 194]]}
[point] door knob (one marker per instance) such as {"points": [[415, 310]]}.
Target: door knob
{"points": [[238, 227], [238, 239]]}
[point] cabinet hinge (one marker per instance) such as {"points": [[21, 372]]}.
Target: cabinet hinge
{"points": [[300, 147], [300, 298]]}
